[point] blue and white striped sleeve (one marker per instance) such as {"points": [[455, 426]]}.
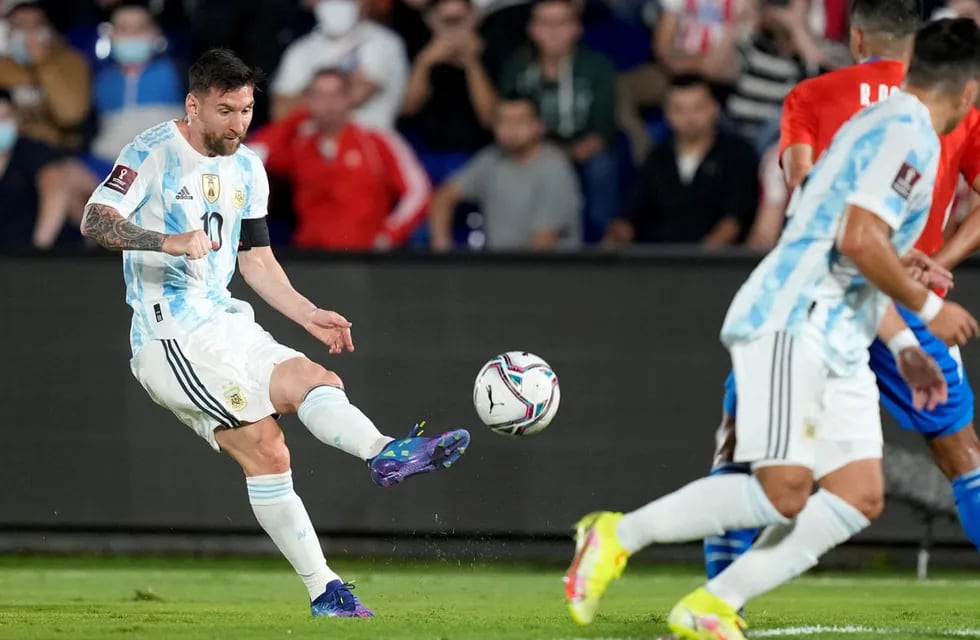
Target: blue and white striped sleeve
{"points": [[888, 163]]}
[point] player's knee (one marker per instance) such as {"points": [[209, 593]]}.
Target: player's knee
{"points": [[293, 381], [957, 453], [870, 505], [310, 374], [788, 493], [270, 454], [789, 504]]}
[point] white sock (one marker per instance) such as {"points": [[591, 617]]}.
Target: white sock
{"points": [[282, 514], [784, 551], [706, 507], [330, 416]]}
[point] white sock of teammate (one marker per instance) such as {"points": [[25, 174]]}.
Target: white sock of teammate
{"points": [[706, 507], [784, 551], [282, 515], [330, 416]]}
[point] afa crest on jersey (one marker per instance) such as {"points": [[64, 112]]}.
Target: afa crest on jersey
{"points": [[235, 397]]}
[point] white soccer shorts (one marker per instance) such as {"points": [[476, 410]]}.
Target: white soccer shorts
{"points": [[215, 376], [792, 410]]}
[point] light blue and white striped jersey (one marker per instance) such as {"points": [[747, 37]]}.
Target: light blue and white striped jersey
{"points": [[162, 184], [884, 159]]}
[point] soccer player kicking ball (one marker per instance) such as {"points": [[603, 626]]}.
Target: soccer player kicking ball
{"points": [[184, 202], [798, 332]]}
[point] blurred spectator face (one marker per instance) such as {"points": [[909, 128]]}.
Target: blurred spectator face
{"points": [[555, 28], [222, 118], [8, 126], [328, 100], [451, 17], [777, 27], [692, 112], [517, 127], [133, 35], [337, 17], [30, 33]]}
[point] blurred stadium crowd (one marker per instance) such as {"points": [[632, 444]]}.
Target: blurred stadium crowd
{"points": [[484, 124]]}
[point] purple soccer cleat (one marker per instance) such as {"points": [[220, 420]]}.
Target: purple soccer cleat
{"points": [[337, 601], [415, 454]]}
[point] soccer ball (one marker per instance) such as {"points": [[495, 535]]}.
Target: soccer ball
{"points": [[516, 394]]}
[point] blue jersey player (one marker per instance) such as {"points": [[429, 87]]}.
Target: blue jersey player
{"points": [[186, 204]]}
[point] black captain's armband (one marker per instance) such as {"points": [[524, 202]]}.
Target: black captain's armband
{"points": [[255, 233]]}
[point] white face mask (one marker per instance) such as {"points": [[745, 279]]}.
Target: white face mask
{"points": [[337, 17]]}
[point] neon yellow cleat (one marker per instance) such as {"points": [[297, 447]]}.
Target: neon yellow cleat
{"points": [[599, 559], [702, 615]]}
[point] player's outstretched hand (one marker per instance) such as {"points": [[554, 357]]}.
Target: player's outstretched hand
{"points": [[954, 324], [927, 271], [193, 244], [924, 377], [332, 329]]}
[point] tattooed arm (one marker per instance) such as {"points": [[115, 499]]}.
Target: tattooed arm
{"points": [[106, 226]]}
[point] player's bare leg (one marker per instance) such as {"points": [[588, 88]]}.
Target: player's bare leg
{"points": [[317, 396], [260, 449], [958, 457]]}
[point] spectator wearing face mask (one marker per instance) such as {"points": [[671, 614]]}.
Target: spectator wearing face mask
{"points": [[139, 89], [49, 81], [371, 54], [136, 90], [31, 187]]}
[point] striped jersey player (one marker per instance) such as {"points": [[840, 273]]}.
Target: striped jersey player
{"points": [[186, 204]]}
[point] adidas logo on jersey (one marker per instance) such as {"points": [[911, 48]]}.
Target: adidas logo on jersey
{"points": [[184, 194]]}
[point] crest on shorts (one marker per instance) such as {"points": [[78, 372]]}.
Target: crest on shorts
{"points": [[809, 430], [235, 398], [212, 187], [239, 198]]}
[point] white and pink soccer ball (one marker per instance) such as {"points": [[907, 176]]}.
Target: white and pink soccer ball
{"points": [[516, 394]]}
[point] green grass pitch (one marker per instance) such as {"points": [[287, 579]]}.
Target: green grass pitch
{"points": [[187, 599]]}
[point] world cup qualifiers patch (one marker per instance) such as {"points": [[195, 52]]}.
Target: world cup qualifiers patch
{"points": [[121, 179], [905, 180]]}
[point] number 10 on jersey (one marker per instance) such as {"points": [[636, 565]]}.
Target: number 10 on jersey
{"points": [[213, 223]]}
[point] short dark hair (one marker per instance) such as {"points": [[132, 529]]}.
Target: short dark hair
{"points": [[572, 4], [331, 72], [131, 4], [691, 81], [432, 4], [946, 55], [896, 18], [521, 99], [221, 69], [37, 5]]}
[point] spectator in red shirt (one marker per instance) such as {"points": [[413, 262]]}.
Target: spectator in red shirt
{"points": [[354, 188]]}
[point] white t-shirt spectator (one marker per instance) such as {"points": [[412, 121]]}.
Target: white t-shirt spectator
{"points": [[369, 48]]}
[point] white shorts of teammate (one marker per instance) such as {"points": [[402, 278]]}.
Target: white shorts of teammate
{"points": [[215, 376], [792, 410]]}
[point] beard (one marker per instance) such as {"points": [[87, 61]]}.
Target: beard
{"points": [[219, 145]]}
